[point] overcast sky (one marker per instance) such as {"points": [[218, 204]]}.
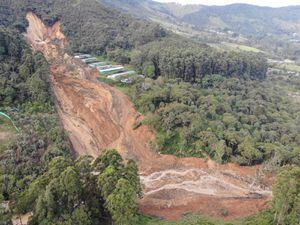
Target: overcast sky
{"points": [[272, 3]]}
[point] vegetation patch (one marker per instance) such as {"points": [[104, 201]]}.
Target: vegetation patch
{"points": [[7, 134], [187, 61], [237, 47], [289, 67], [263, 218], [229, 120]]}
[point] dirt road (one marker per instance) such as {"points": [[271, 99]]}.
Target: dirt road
{"points": [[98, 116]]}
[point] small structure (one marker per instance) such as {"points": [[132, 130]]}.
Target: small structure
{"points": [[97, 64], [90, 60], [288, 61], [82, 56], [104, 67], [117, 75], [112, 70]]}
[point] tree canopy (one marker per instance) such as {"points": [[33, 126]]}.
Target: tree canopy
{"points": [[179, 58], [79, 193], [227, 119], [286, 201]]}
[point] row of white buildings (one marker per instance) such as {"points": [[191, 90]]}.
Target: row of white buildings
{"points": [[113, 72]]}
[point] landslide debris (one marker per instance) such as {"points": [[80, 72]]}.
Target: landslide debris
{"points": [[97, 116]]}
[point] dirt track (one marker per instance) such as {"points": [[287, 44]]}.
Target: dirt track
{"points": [[98, 116]]}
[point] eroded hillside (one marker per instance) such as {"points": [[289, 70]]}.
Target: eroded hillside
{"points": [[97, 116]]}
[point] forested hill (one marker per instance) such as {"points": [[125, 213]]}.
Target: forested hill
{"points": [[89, 26], [240, 18], [188, 61], [247, 19]]}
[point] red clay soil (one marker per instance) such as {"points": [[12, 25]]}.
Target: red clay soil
{"points": [[97, 116]]}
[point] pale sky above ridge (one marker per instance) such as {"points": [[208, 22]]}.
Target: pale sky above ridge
{"points": [[271, 3]]}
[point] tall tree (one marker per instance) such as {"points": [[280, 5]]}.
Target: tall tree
{"points": [[110, 157], [131, 174], [286, 201], [122, 203], [108, 180]]}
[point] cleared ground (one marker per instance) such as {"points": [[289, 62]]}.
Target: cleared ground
{"points": [[235, 47]]}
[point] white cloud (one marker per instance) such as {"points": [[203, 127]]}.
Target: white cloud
{"points": [[272, 3]]}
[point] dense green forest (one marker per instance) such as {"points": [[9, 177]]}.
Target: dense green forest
{"points": [[188, 61], [26, 95], [23, 75], [83, 192], [228, 119]]}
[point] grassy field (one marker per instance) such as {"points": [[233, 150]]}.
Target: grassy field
{"points": [[242, 47], [289, 67], [235, 47]]}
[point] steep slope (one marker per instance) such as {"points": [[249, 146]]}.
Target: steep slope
{"points": [[152, 9], [89, 25], [168, 14], [141, 8], [101, 104], [163, 12], [97, 116]]}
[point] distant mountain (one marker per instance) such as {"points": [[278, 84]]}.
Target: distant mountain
{"points": [[162, 12], [247, 19], [141, 8], [240, 18]]}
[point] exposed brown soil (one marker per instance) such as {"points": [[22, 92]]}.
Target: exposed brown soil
{"points": [[98, 116]]}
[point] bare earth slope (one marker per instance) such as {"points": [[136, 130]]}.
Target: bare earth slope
{"points": [[98, 116]]}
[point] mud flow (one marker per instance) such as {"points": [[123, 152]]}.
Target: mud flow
{"points": [[97, 116]]}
